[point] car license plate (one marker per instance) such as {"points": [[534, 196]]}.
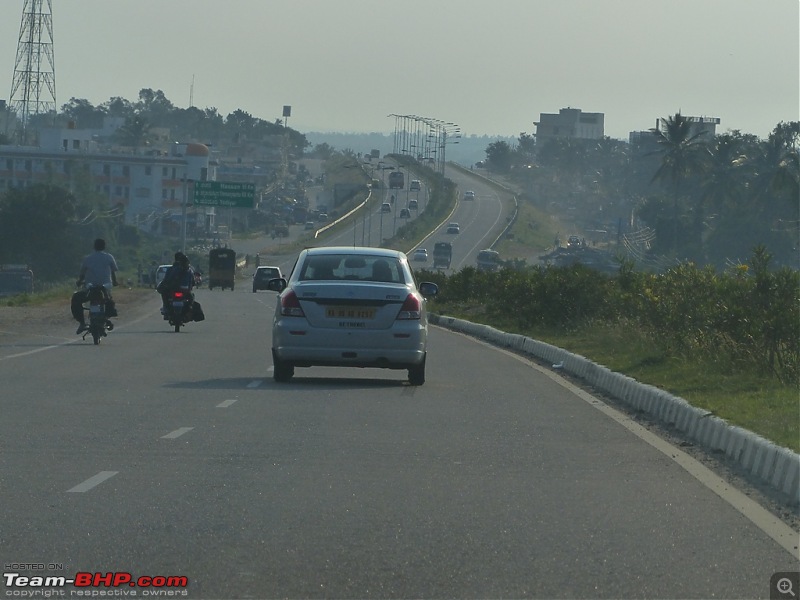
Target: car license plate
{"points": [[349, 312]]}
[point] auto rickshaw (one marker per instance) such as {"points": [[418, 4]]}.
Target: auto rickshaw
{"points": [[221, 268]]}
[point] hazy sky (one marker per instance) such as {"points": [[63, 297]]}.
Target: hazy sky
{"points": [[491, 66]]}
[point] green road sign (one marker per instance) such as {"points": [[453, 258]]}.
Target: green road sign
{"points": [[229, 194]]}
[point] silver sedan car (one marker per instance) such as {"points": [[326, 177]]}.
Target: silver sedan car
{"points": [[351, 307]]}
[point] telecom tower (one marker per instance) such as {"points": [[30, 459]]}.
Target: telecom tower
{"points": [[33, 90]]}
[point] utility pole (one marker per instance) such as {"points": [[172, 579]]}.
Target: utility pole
{"points": [[33, 89]]}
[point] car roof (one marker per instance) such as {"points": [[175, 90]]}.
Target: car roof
{"points": [[267, 267], [354, 250]]}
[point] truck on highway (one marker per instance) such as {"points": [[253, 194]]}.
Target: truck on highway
{"points": [[396, 180], [442, 255], [488, 260]]}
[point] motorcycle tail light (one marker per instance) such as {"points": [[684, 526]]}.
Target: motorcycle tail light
{"points": [[178, 295]]}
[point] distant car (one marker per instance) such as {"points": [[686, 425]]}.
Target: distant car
{"points": [[574, 241], [322, 216], [414, 186], [420, 255], [262, 276], [351, 307], [386, 207], [413, 204], [405, 213], [309, 225], [453, 228], [469, 195]]}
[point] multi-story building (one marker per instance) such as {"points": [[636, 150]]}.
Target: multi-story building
{"points": [[570, 123], [705, 128], [151, 185]]}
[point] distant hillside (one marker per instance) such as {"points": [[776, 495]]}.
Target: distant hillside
{"points": [[466, 152]]}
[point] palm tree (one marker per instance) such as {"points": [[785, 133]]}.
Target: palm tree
{"points": [[680, 158]]}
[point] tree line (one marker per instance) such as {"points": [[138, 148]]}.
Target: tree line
{"points": [[710, 200], [153, 111]]}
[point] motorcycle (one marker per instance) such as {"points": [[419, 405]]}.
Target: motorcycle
{"points": [[179, 308], [99, 323]]}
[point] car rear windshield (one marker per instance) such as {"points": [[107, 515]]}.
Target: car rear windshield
{"points": [[348, 267]]}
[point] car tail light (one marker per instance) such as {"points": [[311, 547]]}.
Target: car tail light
{"points": [[411, 309], [290, 305]]}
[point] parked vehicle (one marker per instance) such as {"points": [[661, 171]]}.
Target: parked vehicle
{"points": [[99, 323], [221, 268], [262, 276], [15, 279], [442, 255], [351, 307]]}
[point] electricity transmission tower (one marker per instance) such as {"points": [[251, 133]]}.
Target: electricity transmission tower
{"points": [[33, 89]]}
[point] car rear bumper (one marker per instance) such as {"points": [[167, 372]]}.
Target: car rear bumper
{"points": [[384, 349]]}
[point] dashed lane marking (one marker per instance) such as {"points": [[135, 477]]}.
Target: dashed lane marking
{"points": [[177, 433], [93, 481]]}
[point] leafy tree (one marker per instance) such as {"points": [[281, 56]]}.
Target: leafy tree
{"points": [[119, 107], [37, 227], [135, 132], [499, 157], [156, 106], [83, 113]]}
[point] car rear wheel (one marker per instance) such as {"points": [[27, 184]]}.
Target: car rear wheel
{"points": [[282, 371], [416, 374]]}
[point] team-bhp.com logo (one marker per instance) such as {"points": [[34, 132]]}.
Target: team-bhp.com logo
{"points": [[88, 584]]}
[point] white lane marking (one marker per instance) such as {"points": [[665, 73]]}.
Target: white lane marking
{"points": [[177, 433], [225, 404], [254, 384], [93, 481]]}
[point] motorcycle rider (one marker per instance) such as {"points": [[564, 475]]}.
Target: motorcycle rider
{"points": [[179, 275], [97, 268]]}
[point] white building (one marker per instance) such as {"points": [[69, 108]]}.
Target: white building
{"points": [[570, 123], [148, 184]]}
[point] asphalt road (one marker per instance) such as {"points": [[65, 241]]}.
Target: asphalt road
{"points": [[163, 454]]}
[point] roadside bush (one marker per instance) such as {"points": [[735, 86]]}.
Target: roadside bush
{"points": [[748, 317]]}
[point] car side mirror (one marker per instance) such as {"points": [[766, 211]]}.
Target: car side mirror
{"points": [[277, 285], [428, 288]]}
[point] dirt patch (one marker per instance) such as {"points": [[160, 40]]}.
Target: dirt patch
{"points": [[47, 317]]}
